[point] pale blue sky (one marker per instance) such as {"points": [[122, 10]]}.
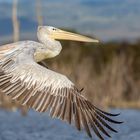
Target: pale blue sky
{"points": [[106, 19]]}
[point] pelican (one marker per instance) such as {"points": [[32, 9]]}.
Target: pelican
{"points": [[37, 87]]}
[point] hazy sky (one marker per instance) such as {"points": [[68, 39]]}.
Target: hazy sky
{"points": [[106, 19]]}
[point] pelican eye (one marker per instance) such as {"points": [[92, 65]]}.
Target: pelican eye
{"points": [[54, 29]]}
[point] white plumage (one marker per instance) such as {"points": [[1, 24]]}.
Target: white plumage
{"points": [[22, 78]]}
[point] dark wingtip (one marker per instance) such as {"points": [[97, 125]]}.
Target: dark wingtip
{"points": [[110, 114], [108, 118], [109, 136], [115, 131], [120, 122], [115, 114], [106, 113], [117, 122]]}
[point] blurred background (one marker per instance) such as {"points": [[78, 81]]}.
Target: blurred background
{"points": [[109, 71]]}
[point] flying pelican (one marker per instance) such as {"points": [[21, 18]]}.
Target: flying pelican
{"points": [[33, 85]]}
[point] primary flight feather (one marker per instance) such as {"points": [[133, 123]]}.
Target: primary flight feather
{"points": [[24, 80]]}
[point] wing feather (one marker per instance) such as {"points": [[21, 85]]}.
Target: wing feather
{"points": [[68, 113], [104, 123], [42, 89], [77, 118], [85, 123], [100, 127]]}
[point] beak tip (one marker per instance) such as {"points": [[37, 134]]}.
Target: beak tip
{"points": [[95, 41]]}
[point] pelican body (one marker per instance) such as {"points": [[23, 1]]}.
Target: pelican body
{"points": [[37, 87]]}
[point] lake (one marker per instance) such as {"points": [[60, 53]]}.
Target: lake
{"points": [[37, 126]]}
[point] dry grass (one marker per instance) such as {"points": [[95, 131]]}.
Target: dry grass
{"points": [[106, 84], [111, 85]]}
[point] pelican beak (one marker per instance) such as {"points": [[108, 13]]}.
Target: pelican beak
{"points": [[64, 35]]}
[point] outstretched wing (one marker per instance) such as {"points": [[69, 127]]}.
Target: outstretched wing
{"points": [[42, 89]]}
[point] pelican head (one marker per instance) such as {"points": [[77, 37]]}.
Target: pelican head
{"points": [[58, 34]]}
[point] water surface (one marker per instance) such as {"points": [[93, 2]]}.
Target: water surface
{"points": [[37, 126]]}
